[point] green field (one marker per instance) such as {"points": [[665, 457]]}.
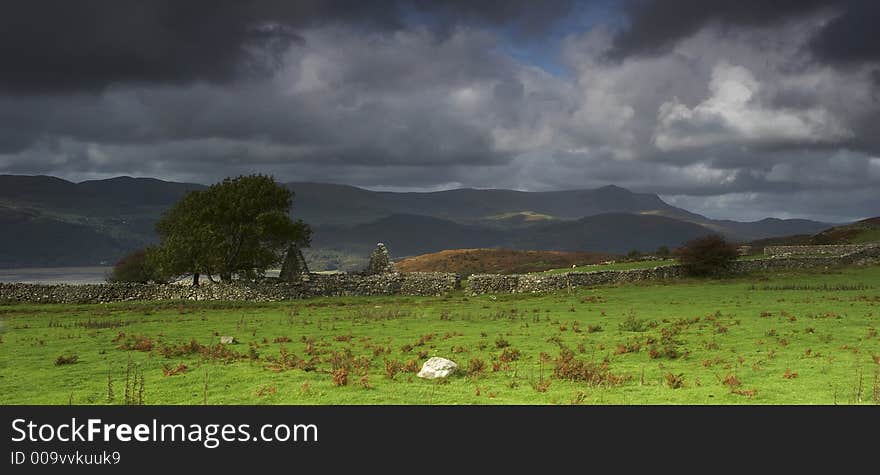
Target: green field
{"points": [[795, 338], [615, 266], [630, 265]]}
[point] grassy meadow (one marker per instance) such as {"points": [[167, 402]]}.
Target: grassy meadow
{"points": [[782, 338], [624, 265], [634, 264]]}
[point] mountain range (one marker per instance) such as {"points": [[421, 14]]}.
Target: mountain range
{"points": [[47, 221]]}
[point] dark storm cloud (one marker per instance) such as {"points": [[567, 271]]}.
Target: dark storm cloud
{"points": [[345, 99], [50, 46], [657, 25], [851, 37], [524, 17]]}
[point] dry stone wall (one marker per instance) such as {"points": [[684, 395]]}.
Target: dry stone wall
{"points": [[521, 283], [827, 250], [526, 283], [395, 283], [311, 285]]}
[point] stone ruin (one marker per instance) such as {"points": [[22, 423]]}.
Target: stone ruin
{"points": [[294, 267], [380, 261]]}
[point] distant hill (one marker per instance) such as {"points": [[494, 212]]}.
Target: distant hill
{"points": [[339, 204], [517, 219], [767, 227], [497, 261], [409, 235], [47, 221], [50, 221], [323, 204], [866, 230], [114, 196], [28, 239], [612, 232]]}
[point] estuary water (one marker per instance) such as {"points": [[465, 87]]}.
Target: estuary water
{"points": [[56, 275]]}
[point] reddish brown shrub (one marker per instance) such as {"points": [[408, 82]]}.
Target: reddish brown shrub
{"points": [[168, 370], [340, 377]]}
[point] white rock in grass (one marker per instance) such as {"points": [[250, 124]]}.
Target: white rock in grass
{"points": [[437, 367], [227, 340]]}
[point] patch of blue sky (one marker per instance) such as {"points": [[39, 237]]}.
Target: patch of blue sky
{"points": [[544, 51]]}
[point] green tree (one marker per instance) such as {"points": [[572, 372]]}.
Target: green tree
{"points": [[239, 226], [663, 251], [709, 255], [185, 236], [139, 266]]}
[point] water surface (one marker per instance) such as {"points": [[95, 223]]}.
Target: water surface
{"points": [[56, 275]]}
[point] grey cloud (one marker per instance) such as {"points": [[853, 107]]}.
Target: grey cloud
{"points": [[851, 37], [835, 206], [846, 39], [409, 117], [50, 46], [656, 26], [524, 17]]}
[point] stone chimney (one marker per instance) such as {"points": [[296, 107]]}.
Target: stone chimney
{"points": [[380, 261], [294, 266]]}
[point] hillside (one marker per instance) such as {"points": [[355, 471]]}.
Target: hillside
{"points": [[53, 222], [111, 197], [324, 204], [31, 240], [616, 233], [497, 261], [866, 230], [339, 204], [410, 235]]}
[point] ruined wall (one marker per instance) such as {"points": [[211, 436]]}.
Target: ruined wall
{"points": [[312, 285], [829, 250]]}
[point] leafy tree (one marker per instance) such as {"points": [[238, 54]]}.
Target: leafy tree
{"points": [[709, 255], [239, 226], [634, 254], [139, 266], [185, 238], [663, 251]]}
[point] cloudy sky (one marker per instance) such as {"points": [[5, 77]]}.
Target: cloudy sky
{"points": [[734, 109]]}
